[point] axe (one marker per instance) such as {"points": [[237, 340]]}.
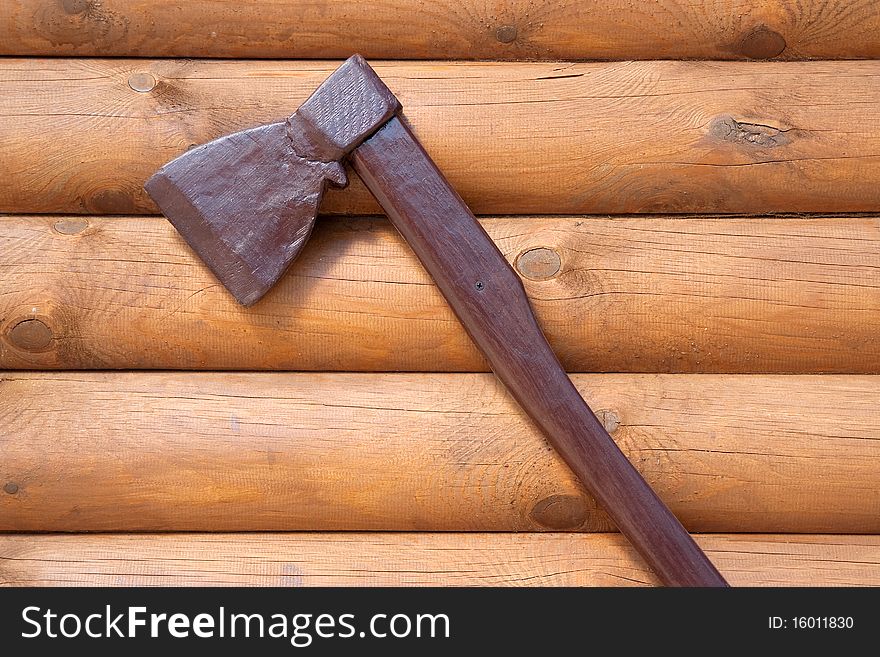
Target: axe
{"points": [[247, 202]]}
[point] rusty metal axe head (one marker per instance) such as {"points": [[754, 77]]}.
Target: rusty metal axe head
{"points": [[246, 202]]}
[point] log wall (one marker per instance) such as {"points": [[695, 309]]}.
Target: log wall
{"points": [[694, 229], [617, 294], [233, 452], [444, 29], [418, 560], [82, 135]]}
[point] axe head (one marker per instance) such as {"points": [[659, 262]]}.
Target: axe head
{"points": [[246, 203]]}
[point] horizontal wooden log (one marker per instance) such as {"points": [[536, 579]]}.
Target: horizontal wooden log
{"points": [[230, 452], [447, 29], [417, 560], [544, 138], [625, 294]]}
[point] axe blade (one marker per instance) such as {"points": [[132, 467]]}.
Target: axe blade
{"points": [[246, 203]]}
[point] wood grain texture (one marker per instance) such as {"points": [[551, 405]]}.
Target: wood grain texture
{"points": [[417, 560], [650, 294], [452, 452], [548, 138], [444, 29]]}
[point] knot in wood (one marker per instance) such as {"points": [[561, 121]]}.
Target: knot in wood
{"points": [[506, 33], [762, 43], [73, 7], [31, 335], [70, 226], [746, 133], [539, 264], [560, 512], [142, 82], [609, 419]]}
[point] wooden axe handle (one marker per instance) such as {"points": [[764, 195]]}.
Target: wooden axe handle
{"points": [[489, 299]]}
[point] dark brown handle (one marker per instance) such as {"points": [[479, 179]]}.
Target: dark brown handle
{"points": [[489, 299]]}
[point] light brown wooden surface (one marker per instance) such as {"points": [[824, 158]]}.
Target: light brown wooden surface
{"points": [[418, 560], [444, 29], [229, 452], [75, 135], [656, 294]]}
